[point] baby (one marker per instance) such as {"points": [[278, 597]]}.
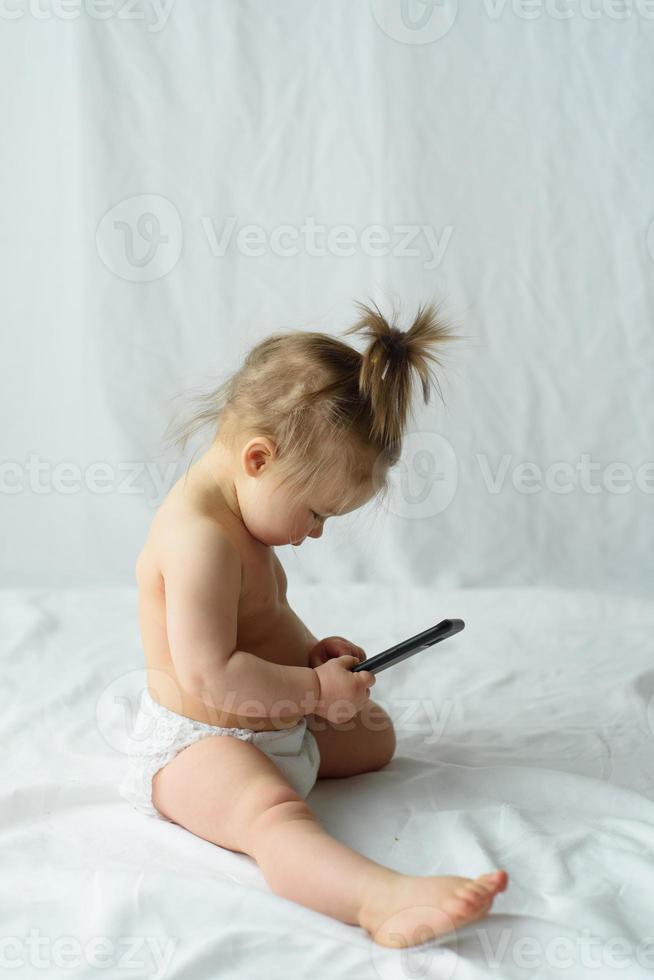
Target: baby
{"points": [[244, 708]]}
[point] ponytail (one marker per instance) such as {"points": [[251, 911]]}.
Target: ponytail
{"points": [[390, 362]]}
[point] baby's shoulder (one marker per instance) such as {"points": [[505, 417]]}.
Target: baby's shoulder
{"points": [[188, 535]]}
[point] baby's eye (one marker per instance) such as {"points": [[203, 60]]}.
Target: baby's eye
{"points": [[317, 516]]}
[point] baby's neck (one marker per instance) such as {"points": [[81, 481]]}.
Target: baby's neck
{"points": [[215, 481]]}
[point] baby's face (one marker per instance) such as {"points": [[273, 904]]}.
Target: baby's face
{"points": [[276, 515]]}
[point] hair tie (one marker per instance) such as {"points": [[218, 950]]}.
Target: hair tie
{"points": [[393, 339]]}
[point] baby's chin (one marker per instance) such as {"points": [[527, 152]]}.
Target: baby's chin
{"points": [[273, 538]]}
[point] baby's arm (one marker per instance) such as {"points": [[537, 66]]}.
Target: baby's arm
{"points": [[330, 646], [202, 575]]}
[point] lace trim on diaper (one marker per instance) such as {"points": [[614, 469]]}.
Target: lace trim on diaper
{"points": [[156, 729], [158, 736]]}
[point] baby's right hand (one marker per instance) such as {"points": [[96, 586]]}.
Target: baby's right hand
{"points": [[342, 691]]}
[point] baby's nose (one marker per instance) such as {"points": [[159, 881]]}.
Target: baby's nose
{"points": [[317, 532]]}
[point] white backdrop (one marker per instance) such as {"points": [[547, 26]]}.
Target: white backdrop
{"points": [[498, 156]]}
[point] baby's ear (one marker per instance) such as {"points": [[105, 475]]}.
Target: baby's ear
{"points": [[256, 454]]}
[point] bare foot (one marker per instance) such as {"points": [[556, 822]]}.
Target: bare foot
{"points": [[408, 911]]}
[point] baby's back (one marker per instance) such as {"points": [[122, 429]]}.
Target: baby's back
{"points": [[189, 556]]}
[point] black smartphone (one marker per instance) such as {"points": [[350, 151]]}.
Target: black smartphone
{"points": [[407, 648]]}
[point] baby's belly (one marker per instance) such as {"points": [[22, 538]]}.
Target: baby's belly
{"points": [[285, 642]]}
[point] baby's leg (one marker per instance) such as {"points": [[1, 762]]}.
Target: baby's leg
{"points": [[229, 792]]}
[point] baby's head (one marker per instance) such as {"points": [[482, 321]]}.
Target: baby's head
{"points": [[309, 427]]}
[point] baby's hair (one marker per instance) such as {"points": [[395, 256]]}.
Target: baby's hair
{"points": [[323, 403]]}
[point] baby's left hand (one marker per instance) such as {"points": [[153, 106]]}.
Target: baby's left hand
{"points": [[333, 646]]}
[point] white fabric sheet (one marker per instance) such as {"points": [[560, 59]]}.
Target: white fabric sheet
{"points": [[525, 742]]}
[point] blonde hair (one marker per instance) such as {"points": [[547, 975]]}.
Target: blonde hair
{"points": [[323, 403]]}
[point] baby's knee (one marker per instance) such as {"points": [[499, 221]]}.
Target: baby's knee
{"points": [[272, 805], [287, 806], [385, 740], [376, 719]]}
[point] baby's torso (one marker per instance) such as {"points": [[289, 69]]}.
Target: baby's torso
{"points": [[266, 625]]}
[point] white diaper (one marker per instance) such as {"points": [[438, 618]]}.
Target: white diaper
{"points": [[159, 734]]}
